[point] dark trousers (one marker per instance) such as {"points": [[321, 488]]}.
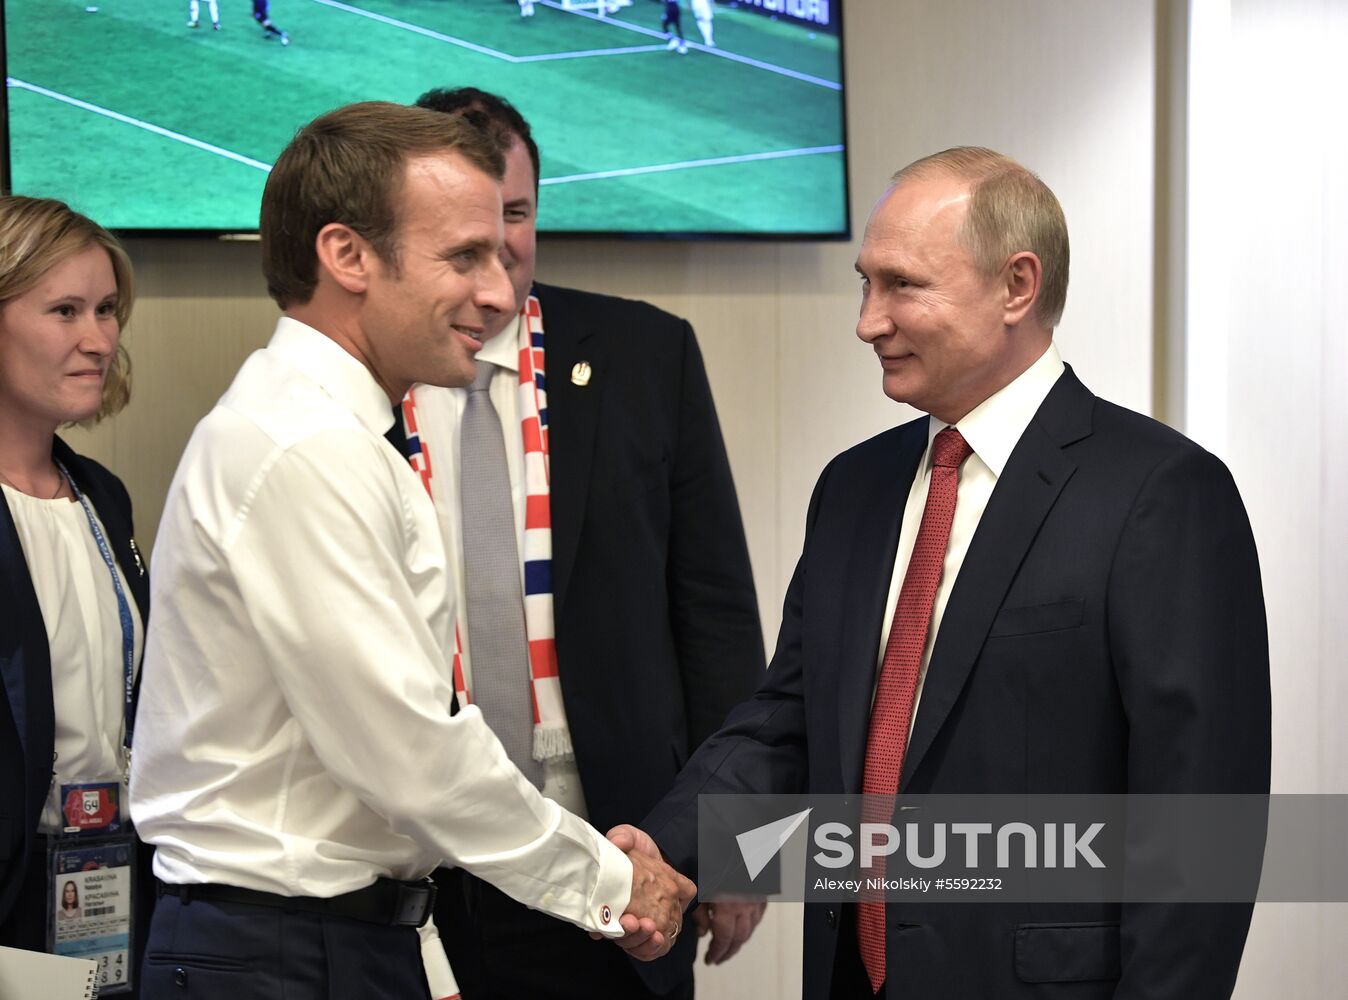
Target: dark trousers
{"points": [[214, 950], [850, 981], [673, 16], [502, 950]]}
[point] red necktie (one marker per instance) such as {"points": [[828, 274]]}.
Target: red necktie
{"points": [[892, 713]]}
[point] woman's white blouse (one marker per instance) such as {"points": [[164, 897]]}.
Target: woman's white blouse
{"points": [[84, 634]]}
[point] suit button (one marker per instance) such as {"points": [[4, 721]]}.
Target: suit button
{"points": [[180, 977], [832, 917]]}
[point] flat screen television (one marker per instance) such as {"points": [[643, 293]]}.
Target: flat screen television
{"points": [[726, 121]]}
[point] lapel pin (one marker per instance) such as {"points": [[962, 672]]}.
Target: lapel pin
{"points": [[580, 373], [135, 554]]}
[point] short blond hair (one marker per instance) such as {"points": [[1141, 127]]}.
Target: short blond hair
{"points": [[1010, 210], [36, 234]]}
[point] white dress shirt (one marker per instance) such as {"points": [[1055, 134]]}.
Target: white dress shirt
{"points": [[992, 429], [84, 638], [439, 412], [294, 731]]}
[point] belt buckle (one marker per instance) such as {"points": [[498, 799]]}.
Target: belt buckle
{"points": [[414, 903]]}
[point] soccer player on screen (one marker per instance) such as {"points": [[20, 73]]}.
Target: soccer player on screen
{"points": [[674, 16], [194, 11], [262, 15], [702, 11]]}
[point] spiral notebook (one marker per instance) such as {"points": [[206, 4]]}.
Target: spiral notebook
{"points": [[33, 975]]}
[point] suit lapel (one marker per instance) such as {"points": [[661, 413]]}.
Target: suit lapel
{"points": [[573, 416], [116, 522], [24, 658], [1030, 484], [870, 567]]}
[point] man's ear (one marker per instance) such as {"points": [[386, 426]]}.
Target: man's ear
{"points": [[1023, 276], [345, 255]]}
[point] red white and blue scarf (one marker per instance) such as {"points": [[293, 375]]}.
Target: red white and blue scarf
{"points": [[552, 738]]}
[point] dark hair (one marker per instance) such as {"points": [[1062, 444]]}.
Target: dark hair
{"points": [[348, 166], [487, 111]]}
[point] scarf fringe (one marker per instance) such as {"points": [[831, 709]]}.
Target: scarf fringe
{"points": [[553, 743]]}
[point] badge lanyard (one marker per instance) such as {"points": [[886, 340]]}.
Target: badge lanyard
{"points": [[123, 613], [101, 927]]}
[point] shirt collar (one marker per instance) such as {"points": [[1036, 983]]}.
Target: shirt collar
{"points": [[993, 427], [502, 350], [340, 374]]}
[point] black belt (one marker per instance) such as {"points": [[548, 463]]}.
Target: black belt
{"points": [[388, 902]]}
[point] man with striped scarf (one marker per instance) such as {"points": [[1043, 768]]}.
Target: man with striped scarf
{"points": [[609, 619]]}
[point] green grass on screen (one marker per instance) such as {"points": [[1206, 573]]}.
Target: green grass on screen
{"points": [[222, 104]]}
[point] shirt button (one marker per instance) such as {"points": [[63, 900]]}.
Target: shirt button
{"points": [[180, 977], [832, 917]]}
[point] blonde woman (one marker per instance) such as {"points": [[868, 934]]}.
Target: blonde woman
{"points": [[72, 584]]}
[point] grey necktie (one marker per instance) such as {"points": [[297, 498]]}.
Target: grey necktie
{"points": [[497, 644]]}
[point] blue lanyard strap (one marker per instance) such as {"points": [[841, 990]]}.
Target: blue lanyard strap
{"points": [[123, 613]]}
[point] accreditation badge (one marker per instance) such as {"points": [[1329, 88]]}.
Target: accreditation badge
{"points": [[91, 875]]}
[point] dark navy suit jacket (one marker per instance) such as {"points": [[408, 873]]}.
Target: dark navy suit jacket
{"points": [[27, 715], [1106, 634]]}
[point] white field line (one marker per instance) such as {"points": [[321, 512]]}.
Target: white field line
{"points": [[722, 53], [714, 161], [419, 30], [582, 53], [147, 126], [588, 53]]}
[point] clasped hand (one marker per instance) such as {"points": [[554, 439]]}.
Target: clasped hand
{"points": [[654, 914]]}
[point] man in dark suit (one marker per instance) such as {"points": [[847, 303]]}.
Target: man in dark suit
{"points": [[639, 611], [1031, 590]]}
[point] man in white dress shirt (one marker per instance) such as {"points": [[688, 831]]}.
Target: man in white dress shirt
{"points": [[300, 771]]}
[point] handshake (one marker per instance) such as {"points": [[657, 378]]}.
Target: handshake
{"points": [[660, 895]]}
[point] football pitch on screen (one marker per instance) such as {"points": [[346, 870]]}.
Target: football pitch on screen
{"points": [[142, 122]]}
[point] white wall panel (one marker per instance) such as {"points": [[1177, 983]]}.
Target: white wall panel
{"points": [[1284, 373]]}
